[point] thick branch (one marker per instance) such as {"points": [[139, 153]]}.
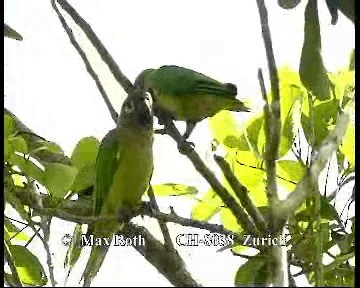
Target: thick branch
{"points": [[167, 262], [278, 260], [95, 41]]}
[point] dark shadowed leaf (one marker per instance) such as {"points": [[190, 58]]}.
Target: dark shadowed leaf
{"points": [[253, 273], [28, 266], [173, 189], [11, 33], [85, 178], [288, 4], [312, 70], [347, 7], [333, 6], [59, 178]]}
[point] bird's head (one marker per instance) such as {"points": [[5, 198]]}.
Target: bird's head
{"points": [[140, 81], [136, 111]]}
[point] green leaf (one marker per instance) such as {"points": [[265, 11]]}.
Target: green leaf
{"points": [[74, 250], [11, 33], [173, 189], [324, 120], [246, 169], [347, 146], [253, 273], [12, 231], [290, 117], [352, 60], [85, 178], [229, 221], [207, 207], [227, 131], [19, 144], [9, 125], [46, 146], [256, 135], [28, 266], [28, 167], [312, 70], [85, 152], [290, 170], [59, 178]]}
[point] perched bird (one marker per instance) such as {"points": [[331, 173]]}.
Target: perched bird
{"points": [[124, 167], [187, 95]]}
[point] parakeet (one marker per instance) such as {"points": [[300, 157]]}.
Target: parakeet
{"points": [[124, 167], [187, 95]]}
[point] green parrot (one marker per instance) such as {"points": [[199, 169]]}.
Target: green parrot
{"points": [[183, 94], [124, 167]]}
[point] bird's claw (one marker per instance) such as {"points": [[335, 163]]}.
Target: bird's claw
{"points": [[185, 146], [148, 207]]}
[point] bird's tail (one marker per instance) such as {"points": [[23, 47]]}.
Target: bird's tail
{"points": [[94, 263], [237, 106]]}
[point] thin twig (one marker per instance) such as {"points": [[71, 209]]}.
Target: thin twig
{"points": [[100, 48], [69, 32], [164, 229], [242, 193], [45, 241]]}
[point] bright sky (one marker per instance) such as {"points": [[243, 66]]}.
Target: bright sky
{"points": [[48, 88]]}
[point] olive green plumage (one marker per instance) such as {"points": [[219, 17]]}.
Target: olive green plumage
{"points": [[124, 167], [187, 95]]}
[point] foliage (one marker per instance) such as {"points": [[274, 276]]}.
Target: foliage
{"points": [[311, 100]]}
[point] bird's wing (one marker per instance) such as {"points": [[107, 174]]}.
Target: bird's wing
{"points": [[106, 163], [182, 81]]}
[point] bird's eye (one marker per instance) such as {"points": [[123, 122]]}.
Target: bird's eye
{"points": [[129, 107]]}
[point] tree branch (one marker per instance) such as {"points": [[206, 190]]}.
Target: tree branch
{"points": [[167, 262], [242, 194], [329, 146], [69, 32], [165, 231], [278, 260], [186, 149], [95, 41]]}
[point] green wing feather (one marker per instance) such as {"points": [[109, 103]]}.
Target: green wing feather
{"points": [[179, 81], [106, 164]]}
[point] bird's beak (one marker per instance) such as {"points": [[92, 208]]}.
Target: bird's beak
{"points": [[146, 115]]}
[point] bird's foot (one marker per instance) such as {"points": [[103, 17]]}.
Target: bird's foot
{"points": [[148, 207], [160, 131], [185, 147]]}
